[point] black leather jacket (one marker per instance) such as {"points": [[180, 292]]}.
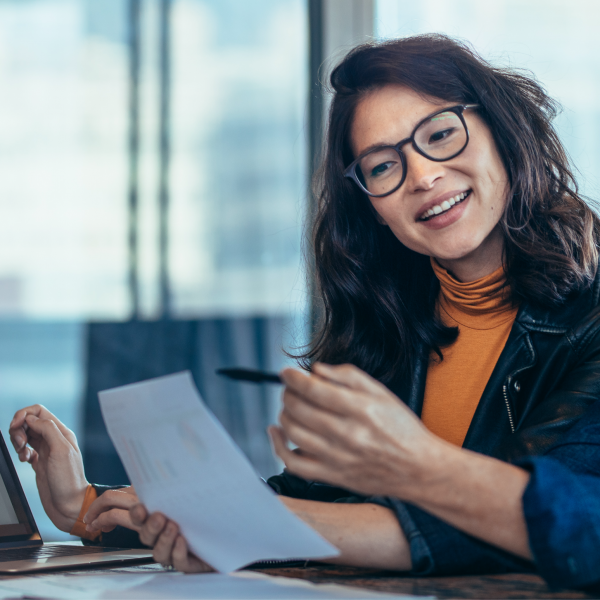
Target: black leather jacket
{"points": [[547, 376]]}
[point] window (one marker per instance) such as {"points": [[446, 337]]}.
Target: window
{"points": [[555, 40], [236, 187]]}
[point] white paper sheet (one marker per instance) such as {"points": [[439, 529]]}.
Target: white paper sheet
{"points": [[70, 587], [184, 464], [239, 586]]}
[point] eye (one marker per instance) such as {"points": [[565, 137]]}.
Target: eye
{"points": [[441, 135], [380, 169]]}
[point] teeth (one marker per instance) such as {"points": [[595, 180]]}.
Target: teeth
{"points": [[445, 205]]}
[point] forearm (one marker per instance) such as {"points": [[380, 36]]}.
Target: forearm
{"points": [[367, 535], [480, 495]]}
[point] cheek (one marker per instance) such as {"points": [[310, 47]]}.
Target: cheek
{"points": [[499, 193], [379, 217]]}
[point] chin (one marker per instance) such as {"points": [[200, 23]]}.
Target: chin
{"points": [[454, 254], [458, 249]]}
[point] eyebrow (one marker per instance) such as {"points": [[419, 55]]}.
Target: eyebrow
{"points": [[379, 145]]}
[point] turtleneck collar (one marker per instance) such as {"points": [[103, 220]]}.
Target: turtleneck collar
{"points": [[481, 304]]}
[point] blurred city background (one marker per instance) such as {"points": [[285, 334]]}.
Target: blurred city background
{"points": [[155, 159]]}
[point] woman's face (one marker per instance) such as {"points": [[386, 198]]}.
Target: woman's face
{"points": [[464, 239]]}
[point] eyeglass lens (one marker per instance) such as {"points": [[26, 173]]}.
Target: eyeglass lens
{"points": [[439, 138]]}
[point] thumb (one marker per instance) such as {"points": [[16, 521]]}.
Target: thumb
{"points": [[33, 460]]}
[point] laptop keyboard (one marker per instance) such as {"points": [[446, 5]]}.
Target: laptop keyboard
{"points": [[51, 551]]}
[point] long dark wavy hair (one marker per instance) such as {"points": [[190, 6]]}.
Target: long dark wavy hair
{"points": [[378, 296]]}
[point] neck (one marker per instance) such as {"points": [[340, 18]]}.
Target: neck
{"points": [[479, 263]]}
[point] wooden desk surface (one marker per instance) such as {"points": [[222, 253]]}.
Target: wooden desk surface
{"points": [[488, 586]]}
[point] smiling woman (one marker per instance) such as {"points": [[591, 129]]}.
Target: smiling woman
{"points": [[458, 268]]}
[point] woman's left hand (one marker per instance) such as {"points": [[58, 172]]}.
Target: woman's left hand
{"points": [[351, 431]]}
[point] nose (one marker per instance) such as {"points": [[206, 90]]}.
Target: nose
{"points": [[421, 173]]}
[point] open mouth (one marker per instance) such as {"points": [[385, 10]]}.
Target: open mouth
{"points": [[445, 206]]}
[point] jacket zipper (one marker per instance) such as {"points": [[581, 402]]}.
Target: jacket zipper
{"points": [[510, 417]]}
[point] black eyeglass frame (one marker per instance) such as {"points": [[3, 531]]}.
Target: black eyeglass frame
{"points": [[458, 110]]}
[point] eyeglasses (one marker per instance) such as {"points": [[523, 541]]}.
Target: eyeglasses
{"points": [[438, 137]]}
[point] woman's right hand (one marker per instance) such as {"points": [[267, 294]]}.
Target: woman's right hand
{"points": [[169, 547], [40, 439]]}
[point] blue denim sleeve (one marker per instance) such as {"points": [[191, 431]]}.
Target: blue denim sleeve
{"points": [[437, 548], [562, 512]]}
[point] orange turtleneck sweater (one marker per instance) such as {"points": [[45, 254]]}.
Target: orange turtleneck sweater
{"points": [[484, 316]]}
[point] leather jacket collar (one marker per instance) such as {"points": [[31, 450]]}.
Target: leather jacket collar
{"points": [[543, 345]]}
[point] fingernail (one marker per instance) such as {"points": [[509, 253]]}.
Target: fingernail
{"points": [[19, 440]]}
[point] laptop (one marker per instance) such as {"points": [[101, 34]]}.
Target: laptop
{"points": [[21, 547]]}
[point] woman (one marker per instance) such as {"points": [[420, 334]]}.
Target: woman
{"points": [[458, 267]]}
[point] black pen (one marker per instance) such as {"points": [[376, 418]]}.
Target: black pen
{"points": [[252, 375]]}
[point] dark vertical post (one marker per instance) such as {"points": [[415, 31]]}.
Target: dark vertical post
{"points": [[164, 155], [133, 149], [315, 136]]}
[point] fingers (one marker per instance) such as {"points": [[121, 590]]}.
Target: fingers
{"points": [[18, 428], [138, 514], [19, 419], [311, 429], [109, 519], [163, 548], [333, 395], [27, 454], [48, 430], [33, 459], [186, 562], [296, 462], [151, 528], [111, 499], [315, 390]]}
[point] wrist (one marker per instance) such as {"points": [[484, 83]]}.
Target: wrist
{"points": [[434, 460], [72, 510], [79, 526]]}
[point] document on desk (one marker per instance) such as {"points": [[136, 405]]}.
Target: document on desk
{"points": [[246, 585], [183, 463]]}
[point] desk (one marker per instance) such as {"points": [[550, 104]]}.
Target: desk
{"points": [[486, 586]]}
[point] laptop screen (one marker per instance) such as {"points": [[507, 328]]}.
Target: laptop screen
{"points": [[17, 526]]}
